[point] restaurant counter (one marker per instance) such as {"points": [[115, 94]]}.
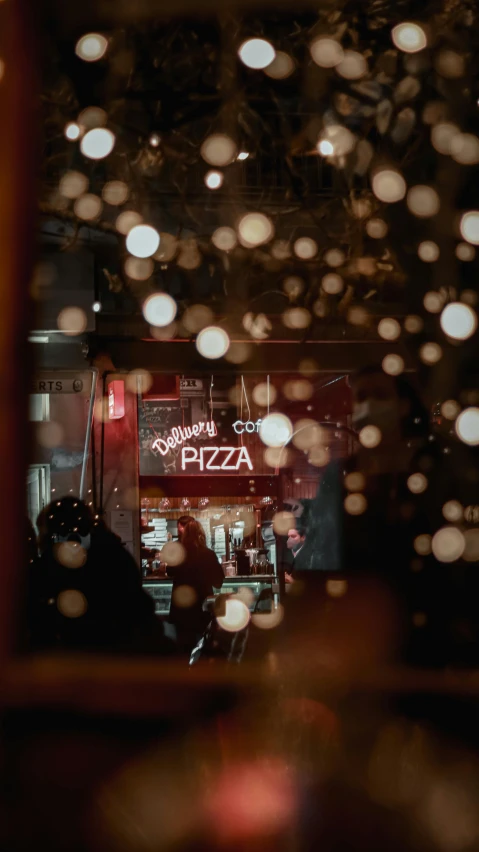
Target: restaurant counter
{"points": [[160, 589]]}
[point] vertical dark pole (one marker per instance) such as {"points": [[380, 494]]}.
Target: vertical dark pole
{"points": [[17, 204]]}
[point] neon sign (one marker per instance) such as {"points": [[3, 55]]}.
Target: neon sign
{"points": [[180, 434], [207, 458], [249, 426]]}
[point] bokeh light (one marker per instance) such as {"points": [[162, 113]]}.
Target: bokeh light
{"points": [[423, 201], [293, 286], [296, 318], [393, 364], [159, 309], [127, 220], [197, 317], [72, 131], [91, 47], [413, 324], [281, 67], [376, 229], [355, 481], [283, 522], [389, 328], [298, 390], [139, 381], [448, 544], [115, 192], [409, 37], [212, 342], [268, 620], [332, 283], [71, 554], [72, 603], [470, 227], [422, 544], [224, 238], [458, 321], [355, 504], [389, 186], [142, 241], [370, 437], [450, 409], [467, 426], [184, 596], [352, 66], [276, 430], [305, 248], [97, 143], [139, 268], [49, 434], [433, 302], [236, 617], [214, 179], [255, 229], [334, 258], [336, 140], [73, 184], [264, 394], [430, 353], [307, 434], [256, 53], [326, 52], [173, 553], [453, 511], [428, 251], [72, 320], [417, 483], [91, 117], [88, 206], [219, 150], [465, 252], [442, 136]]}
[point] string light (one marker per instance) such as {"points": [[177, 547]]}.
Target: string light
{"points": [[326, 52], [214, 180], [224, 238], [352, 66], [212, 342], [409, 37], [255, 229], [159, 309], [142, 241], [256, 53], [470, 227], [389, 186], [281, 67], [97, 143], [218, 150], [376, 229], [467, 426], [91, 47], [305, 248], [243, 155], [428, 251], [458, 321], [276, 430], [72, 131]]}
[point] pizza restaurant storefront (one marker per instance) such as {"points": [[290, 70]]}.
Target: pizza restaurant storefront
{"points": [[208, 447]]}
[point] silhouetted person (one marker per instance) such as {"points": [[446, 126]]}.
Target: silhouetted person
{"points": [[193, 581], [86, 589]]}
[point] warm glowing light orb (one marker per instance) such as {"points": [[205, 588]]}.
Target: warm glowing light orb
{"points": [[467, 426], [389, 186], [276, 430], [255, 229], [212, 342], [159, 309], [256, 53], [91, 47], [458, 321], [97, 143], [409, 37], [142, 241]]}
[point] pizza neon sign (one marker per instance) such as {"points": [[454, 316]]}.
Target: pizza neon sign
{"points": [[215, 458], [180, 434]]}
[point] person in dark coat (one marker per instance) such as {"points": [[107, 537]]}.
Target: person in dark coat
{"points": [[86, 588], [194, 579]]}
